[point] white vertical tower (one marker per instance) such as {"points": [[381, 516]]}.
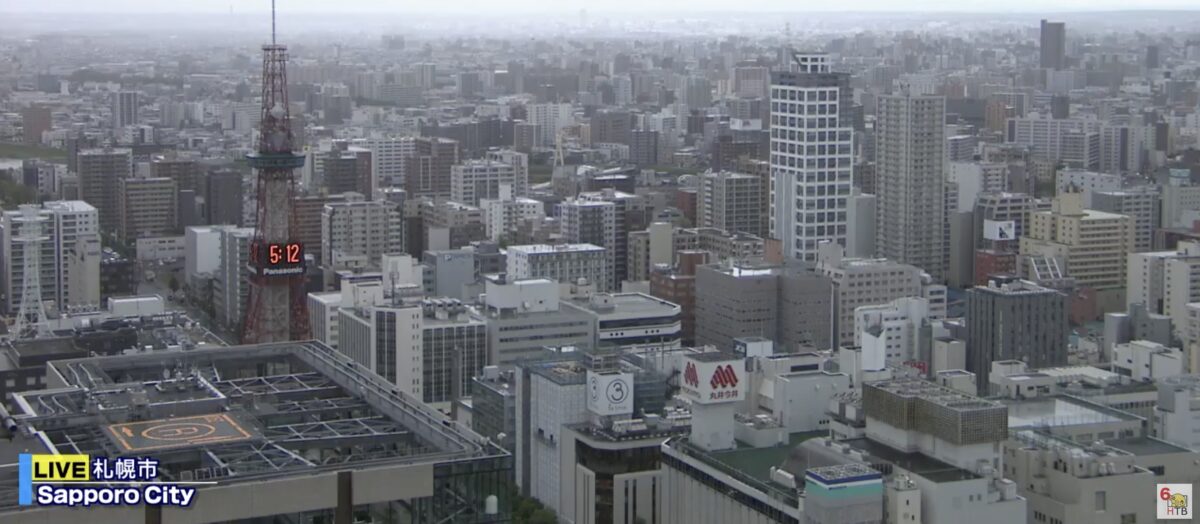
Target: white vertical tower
{"points": [[31, 317], [811, 155]]}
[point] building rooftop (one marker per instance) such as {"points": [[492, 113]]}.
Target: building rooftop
{"points": [[1143, 446], [931, 392], [273, 410], [533, 249], [1061, 411]]}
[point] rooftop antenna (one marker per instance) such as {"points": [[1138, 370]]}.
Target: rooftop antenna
{"points": [[272, 22]]}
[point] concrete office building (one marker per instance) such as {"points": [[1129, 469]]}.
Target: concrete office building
{"points": [[892, 331], [185, 172], [1093, 245], [634, 321], [36, 120], [1140, 203], [911, 176], [323, 316], [526, 316], [494, 406], [356, 232], [1177, 413], [504, 216], [563, 263], [731, 201], [1072, 141], [387, 339], [100, 171], [275, 471], [861, 282], [752, 299], [1165, 282], [69, 261], [1015, 320], [223, 192], [1099, 482], [590, 222], [861, 211], [146, 207], [427, 167], [1086, 182], [475, 180], [1180, 199], [453, 350], [550, 118], [811, 156], [630, 213], [662, 244], [388, 156]]}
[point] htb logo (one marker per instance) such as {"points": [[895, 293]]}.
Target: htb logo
{"points": [[724, 377], [1174, 502], [690, 377]]}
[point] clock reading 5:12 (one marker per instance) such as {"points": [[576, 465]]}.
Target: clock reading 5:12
{"points": [[290, 253]]}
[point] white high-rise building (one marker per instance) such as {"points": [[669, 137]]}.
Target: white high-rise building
{"points": [[474, 180], [811, 156], [124, 108], [388, 158], [357, 232], [387, 339], [549, 118], [910, 165], [520, 163], [70, 271], [231, 286]]}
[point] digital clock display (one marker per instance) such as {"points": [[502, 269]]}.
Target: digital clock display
{"points": [[277, 259]]}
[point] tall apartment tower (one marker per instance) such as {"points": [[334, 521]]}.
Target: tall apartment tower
{"points": [[349, 168], [731, 201], [811, 155], [358, 232], [1053, 45], [592, 222], [1015, 320], [427, 168], [125, 108], [100, 171], [911, 177]]}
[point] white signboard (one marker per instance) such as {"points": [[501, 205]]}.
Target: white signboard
{"points": [[712, 382], [999, 230], [610, 393]]}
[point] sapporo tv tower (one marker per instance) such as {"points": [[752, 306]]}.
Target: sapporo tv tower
{"points": [[276, 308]]}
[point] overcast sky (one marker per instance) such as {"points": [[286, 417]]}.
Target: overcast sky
{"points": [[559, 6]]}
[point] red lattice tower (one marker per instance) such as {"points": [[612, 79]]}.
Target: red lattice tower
{"points": [[276, 309]]}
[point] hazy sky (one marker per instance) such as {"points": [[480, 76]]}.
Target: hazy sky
{"points": [[559, 6]]}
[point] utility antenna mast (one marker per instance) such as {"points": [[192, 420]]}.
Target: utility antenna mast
{"points": [[31, 317], [276, 309]]}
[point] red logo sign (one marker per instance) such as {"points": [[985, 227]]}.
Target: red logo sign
{"points": [[724, 377], [690, 377]]}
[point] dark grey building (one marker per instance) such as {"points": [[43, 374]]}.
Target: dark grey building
{"points": [[1015, 320], [454, 350], [494, 406], [223, 198], [791, 306], [643, 148], [1053, 45]]}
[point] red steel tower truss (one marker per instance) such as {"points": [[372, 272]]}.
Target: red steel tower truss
{"points": [[276, 309]]}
